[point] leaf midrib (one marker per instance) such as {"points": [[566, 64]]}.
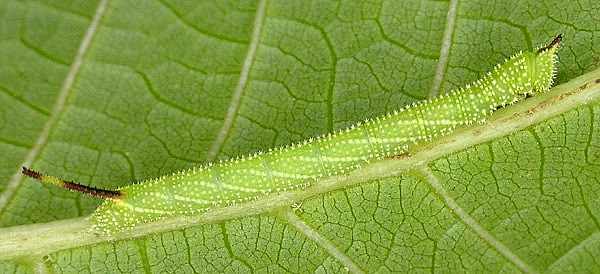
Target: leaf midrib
{"points": [[41, 239]]}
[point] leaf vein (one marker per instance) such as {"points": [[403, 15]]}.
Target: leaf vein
{"points": [[241, 85], [17, 178], [470, 222]]}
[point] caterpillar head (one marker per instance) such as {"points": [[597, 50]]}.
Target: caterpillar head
{"points": [[542, 65]]}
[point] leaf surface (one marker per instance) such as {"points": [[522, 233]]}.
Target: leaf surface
{"points": [[107, 93]]}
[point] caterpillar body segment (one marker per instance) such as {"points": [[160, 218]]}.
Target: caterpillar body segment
{"points": [[298, 165]]}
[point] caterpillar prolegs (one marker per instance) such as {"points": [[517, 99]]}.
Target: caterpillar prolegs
{"points": [[298, 165]]}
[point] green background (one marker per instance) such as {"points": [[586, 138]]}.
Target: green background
{"points": [[111, 92]]}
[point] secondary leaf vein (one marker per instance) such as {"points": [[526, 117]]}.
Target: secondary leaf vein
{"points": [[319, 240], [469, 221], [241, 85], [65, 91], [442, 64]]}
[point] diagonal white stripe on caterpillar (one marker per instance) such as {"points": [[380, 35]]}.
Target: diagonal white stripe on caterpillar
{"points": [[298, 165]]}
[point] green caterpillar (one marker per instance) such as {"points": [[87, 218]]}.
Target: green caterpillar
{"points": [[298, 165]]}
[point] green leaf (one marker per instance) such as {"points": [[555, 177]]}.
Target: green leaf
{"points": [[109, 93]]}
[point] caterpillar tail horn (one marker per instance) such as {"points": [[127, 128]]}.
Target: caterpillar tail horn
{"points": [[552, 45], [114, 195]]}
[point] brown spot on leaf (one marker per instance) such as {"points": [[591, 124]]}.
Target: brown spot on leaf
{"points": [[401, 156]]}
